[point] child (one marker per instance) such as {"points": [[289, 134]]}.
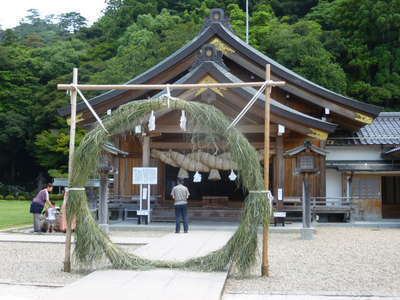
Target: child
{"points": [[51, 216]]}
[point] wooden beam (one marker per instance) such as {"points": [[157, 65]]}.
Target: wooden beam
{"points": [[242, 128], [175, 86], [190, 146]]}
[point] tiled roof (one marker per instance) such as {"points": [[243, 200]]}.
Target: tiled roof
{"points": [[385, 130]]}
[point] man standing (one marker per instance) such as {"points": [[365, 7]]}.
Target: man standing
{"points": [[38, 204], [180, 194]]}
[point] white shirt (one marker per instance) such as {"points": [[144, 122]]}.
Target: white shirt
{"points": [[180, 193], [51, 213]]}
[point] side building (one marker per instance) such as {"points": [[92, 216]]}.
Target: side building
{"points": [[366, 168]]}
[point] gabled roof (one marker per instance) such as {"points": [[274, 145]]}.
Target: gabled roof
{"points": [[222, 75], [217, 27]]}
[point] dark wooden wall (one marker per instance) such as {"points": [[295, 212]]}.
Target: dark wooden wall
{"points": [[293, 182]]}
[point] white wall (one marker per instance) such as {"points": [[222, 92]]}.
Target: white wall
{"points": [[367, 152], [333, 186]]}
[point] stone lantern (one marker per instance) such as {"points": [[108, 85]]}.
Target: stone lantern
{"points": [[306, 164]]}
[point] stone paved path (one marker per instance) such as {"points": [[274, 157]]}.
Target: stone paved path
{"points": [[159, 283], [180, 247], [23, 292]]}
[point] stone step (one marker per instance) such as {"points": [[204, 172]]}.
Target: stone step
{"points": [[199, 214]]}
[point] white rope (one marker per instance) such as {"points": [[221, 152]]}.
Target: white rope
{"points": [[76, 189], [248, 105], [90, 108]]}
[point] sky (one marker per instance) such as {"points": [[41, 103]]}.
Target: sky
{"points": [[12, 11]]}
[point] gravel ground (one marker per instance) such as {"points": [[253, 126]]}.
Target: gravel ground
{"points": [[339, 261], [121, 233], [35, 263]]}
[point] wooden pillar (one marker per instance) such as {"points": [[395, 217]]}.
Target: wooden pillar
{"points": [[322, 173], [116, 162], [68, 235], [146, 151], [105, 168], [306, 232], [103, 203], [306, 201], [265, 258], [279, 174]]}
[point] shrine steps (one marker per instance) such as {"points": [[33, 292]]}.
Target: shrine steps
{"points": [[162, 214]]}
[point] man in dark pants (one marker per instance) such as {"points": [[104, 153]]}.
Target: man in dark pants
{"points": [[180, 194], [38, 204]]}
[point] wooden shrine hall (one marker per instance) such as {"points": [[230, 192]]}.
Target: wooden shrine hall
{"points": [[300, 110]]}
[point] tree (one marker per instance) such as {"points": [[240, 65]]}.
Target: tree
{"points": [[52, 147], [368, 35], [297, 46], [71, 22], [293, 8], [145, 43]]}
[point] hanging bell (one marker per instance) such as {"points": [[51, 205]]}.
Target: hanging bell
{"points": [[183, 121], [152, 121], [197, 177], [183, 174], [232, 176], [214, 175]]}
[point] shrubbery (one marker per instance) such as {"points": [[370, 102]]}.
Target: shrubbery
{"points": [[56, 197], [10, 197]]}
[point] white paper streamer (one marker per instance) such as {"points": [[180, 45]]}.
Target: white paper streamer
{"points": [[183, 120], [197, 177], [232, 176], [152, 121]]}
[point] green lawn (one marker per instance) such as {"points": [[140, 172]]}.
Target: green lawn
{"points": [[14, 213]]}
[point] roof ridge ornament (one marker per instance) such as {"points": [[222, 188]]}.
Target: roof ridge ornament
{"points": [[217, 15], [209, 52]]}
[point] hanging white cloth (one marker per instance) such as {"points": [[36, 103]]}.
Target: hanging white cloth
{"points": [[152, 121]]}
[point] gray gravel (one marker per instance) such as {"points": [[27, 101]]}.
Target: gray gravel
{"points": [[341, 261], [34, 263]]}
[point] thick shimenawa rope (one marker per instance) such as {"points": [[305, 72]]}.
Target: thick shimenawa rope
{"points": [[92, 244]]}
